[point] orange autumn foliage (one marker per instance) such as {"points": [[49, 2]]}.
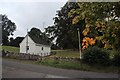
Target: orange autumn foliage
{"points": [[85, 31], [87, 41]]}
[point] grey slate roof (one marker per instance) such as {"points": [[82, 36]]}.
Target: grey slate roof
{"points": [[39, 40]]}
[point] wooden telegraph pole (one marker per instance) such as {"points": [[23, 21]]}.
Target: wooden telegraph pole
{"points": [[79, 42]]}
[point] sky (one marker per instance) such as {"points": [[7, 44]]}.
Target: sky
{"points": [[30, 14]]}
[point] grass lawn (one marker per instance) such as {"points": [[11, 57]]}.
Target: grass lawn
{"points": [[10, 48], [66, 53], [60, 53]]}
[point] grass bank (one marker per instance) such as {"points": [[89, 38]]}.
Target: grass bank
{"points": [[9, 48], [78, 66], [66, 53]]}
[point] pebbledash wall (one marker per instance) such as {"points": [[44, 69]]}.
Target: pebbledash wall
{"points": [[37, 49]]}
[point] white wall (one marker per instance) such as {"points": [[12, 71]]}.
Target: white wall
{"points": [[33, 48], [46, 50], [31, 45]]}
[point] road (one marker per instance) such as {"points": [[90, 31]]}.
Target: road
{"points": [[17, 69]]}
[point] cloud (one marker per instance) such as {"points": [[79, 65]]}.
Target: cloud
{"points": [[26, 15], [34, 0]]}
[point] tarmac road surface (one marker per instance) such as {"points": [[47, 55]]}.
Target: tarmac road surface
{"points": [[17, 69]]}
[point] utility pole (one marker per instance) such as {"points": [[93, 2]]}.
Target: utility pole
{"points": [[79, 43], [27, 42]]}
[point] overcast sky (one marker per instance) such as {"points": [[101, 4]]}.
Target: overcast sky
{"points": [[30, 14]]}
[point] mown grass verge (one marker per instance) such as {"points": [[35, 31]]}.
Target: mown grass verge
{"points": [[66, 53]]}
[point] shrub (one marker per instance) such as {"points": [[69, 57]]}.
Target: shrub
{"points": [[116, 59], [95, 55]]}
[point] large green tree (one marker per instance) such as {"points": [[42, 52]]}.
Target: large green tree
{"points": [[63, 30], [8, 27], [15, 42], [101, 22]]}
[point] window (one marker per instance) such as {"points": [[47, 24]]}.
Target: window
{"points": [[27, 47], [42, 48]]}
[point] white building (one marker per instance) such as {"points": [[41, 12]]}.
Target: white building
{"points": [[35, 45]]}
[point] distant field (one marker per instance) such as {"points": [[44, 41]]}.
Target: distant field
{"points": [[60, 53], [66, 53], [9, 48]]}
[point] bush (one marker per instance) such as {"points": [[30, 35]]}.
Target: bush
{"points": [[95, 55], [116, 59]]}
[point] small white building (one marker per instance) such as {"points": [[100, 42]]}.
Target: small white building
{"points": [[35, 45]]}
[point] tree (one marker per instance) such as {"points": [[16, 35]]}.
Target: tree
{"points": [[112, 35], [8, 27], [54, 47], [11, 42], [36, 32], [87, 41], [63, 31], [15, 42], [101, 21]]}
